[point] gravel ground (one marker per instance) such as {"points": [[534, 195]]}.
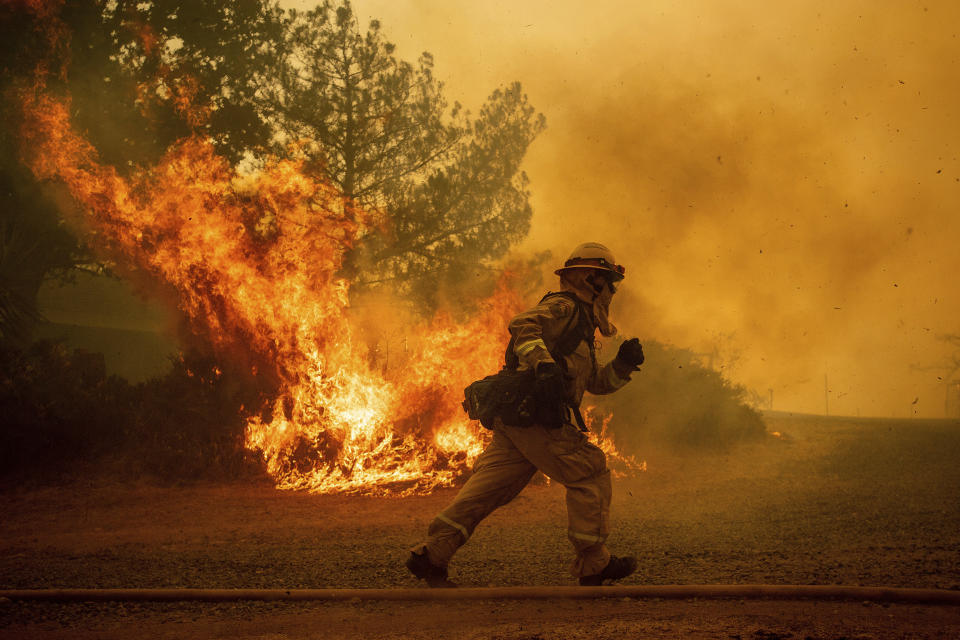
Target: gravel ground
{"points": [[835, 501]]}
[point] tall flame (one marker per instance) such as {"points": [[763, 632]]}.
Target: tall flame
{"points": [[254, 260]]}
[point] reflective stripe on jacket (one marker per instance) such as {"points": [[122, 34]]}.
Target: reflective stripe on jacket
{"points": [[536, 331]]}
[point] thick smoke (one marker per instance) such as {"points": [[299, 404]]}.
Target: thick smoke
{"points": [[782, 182]]}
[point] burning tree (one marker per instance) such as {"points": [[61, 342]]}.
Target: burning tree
{"points": [[380, 130], [34, 243], [259, 83], [256, 234]]}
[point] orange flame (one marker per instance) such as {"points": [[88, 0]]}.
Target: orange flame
{"points": [[254, 260]]}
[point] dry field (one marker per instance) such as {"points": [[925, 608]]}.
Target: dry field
{"points": [[835, 501]]}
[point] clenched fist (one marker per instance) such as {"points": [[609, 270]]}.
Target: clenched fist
{"points": [[630, 354]]}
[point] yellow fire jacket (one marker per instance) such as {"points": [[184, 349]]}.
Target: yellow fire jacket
{"points": [[536, 332]]}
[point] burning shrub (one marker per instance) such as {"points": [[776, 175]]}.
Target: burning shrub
{"points": [[676, 401]]}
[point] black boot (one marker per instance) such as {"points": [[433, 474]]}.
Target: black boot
{"points": [[420, 566], [617, 568]]}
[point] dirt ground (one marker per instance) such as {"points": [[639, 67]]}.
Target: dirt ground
{"points": [[835, 501]]}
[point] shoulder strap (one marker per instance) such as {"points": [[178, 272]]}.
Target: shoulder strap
{"points": [[579, 328]]}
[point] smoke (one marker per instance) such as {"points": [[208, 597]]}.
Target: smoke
{"points": [[781, 183]]}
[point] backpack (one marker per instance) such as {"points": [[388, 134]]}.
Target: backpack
{"points": [[511, 394]]}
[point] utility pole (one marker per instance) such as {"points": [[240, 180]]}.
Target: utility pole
{"points": [[826, 396]]}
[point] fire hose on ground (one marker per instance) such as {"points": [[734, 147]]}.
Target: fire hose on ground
{"points": [[647, 592]]}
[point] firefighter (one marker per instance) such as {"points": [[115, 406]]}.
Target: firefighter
{"points": [[555, 341]]}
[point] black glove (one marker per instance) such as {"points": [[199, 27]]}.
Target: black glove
{"points": [[630, 354], [550, 387]]}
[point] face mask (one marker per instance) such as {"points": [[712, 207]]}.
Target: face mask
{"points": [[596, 281], [593, 287], [601, 309]]}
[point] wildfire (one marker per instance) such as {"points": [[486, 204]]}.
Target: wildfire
{"points": [[254, 260]]}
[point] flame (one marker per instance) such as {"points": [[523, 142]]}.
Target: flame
{"points": [[255, 260], [621, 464], [167, 84]]}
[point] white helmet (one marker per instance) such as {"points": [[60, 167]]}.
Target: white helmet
{"points": [[593, 255]]}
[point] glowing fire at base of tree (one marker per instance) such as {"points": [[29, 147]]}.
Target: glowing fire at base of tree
{"points": [[254, 261]]}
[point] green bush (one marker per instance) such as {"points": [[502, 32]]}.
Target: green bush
{"points": [[676, 401], [57, 408], [62, 415]]}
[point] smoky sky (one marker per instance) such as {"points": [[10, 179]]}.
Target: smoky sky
{"points": [[781, 180]]}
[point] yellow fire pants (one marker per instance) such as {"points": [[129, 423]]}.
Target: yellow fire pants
{"points": [[504, 469]]}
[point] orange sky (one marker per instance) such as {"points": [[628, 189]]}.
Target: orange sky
{"points": [[779, 178]]}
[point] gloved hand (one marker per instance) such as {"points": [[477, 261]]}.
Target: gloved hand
{"points": [[630, 355], [550, 387]]}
